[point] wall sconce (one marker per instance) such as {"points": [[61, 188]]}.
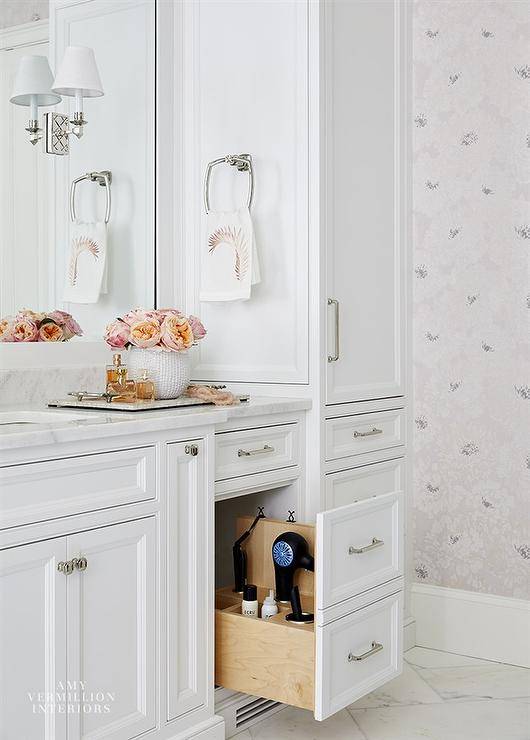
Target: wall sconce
{"points": [[78, 77], [32, 88]]}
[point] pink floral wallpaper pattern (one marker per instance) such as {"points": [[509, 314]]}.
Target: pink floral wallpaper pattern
{"points": [[471, 504]]}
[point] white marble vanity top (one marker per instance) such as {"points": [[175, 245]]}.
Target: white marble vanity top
{"points": [[67, 425]]}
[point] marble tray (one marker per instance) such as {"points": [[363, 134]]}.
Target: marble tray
{"points": [[97, 405]]}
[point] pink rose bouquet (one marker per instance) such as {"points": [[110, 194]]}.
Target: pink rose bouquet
{"points": [[35, 326], [164, 329]]}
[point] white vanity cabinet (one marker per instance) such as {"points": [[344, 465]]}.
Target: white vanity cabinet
{"points": [[111, 628], [78, 618], [32, 639]]}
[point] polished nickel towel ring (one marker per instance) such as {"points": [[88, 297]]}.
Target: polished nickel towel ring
{"points": [[243, 162], [104, 178]]}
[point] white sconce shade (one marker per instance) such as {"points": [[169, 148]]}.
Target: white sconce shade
{"points": [[33, 83], [78, 74]]}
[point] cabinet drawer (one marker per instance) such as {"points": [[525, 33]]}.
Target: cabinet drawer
{"points": [[354, 435], [256, 450], [358, 547], [306, 666], [75, 485], [363, 482], [358, 653]]}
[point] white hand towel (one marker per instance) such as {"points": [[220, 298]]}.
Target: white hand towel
{"points": [[229, 260], [86, 270]]}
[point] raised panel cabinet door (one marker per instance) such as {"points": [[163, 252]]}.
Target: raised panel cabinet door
{"points": [[359, 546], [187, 578], [32, 641], [112, 631], [365, 187]]}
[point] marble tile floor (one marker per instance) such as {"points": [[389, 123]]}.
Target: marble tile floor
{"points": [[439, 696]]}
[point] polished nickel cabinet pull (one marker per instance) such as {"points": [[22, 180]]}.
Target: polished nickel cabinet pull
{"points": [[70, 565], [249, 453], [376, 648], [80, 563], [373, 431], [334, 357], [192, 450], [358, 550]]}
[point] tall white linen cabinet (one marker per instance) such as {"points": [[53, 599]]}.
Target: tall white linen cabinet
{"points": [[318, 93]]}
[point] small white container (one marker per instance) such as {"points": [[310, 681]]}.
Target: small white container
{"points": [[270, 607], [249, 605]]}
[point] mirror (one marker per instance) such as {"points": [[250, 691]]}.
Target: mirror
{"points": [[36, 230]]}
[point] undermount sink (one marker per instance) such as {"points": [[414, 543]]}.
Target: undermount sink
{"points": [[37, 417]]}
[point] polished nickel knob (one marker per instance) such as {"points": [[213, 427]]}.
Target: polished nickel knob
{"points": [[192, 450]]}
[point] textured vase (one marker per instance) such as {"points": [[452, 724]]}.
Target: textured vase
{"points": [[169, 371]]}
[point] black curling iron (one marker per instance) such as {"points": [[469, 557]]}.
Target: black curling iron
{"points": [[240, 556]]}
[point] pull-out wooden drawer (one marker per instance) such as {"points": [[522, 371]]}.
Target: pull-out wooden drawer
{"points": [[354, 435], [57, 488], [357, 654], [354, 645], [320, 668], [358, 547], [256, 450]]}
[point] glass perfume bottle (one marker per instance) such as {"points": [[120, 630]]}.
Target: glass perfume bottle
{"points": [[112, 370], [123, 390], [145, 388]]}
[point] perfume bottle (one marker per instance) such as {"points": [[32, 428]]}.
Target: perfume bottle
{"points": [[112, 370], [123, 390], [145, 388]]}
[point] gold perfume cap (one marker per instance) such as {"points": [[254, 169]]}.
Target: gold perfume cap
{"points": [[116, 359]]}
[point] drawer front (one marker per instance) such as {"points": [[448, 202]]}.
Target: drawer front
{"points": [[49, 490], [353, 485], [256, 450], [359, 546], [357, 654], [354, 435]]}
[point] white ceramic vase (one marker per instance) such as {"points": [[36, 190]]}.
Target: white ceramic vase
{"points": [[169, 371]]}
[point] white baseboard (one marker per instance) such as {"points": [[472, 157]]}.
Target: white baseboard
{"points": [[409, 633], [478, 625]]}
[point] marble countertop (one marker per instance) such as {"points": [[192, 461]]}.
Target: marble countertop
{"points": [[89, 424]]}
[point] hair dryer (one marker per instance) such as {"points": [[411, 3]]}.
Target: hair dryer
{"points": [[290, 551]]}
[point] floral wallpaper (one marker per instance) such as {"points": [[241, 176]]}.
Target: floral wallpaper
{"points": [[471, 171]]}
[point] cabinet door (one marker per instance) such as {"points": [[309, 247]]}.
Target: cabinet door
{"points": [[111, 630], [187, 578], [358, 547], [32, 641], [365, 196]]}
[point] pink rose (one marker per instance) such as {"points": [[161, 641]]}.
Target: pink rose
{"points": [[50, 332], [7, 327], [142, 314], [145, 333], [117, 334], [60, 317], [25, 330], [197, 328], [71, 328], [176, 333]]}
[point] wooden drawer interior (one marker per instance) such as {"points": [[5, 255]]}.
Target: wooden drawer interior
{"points": [[270, 658]]}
